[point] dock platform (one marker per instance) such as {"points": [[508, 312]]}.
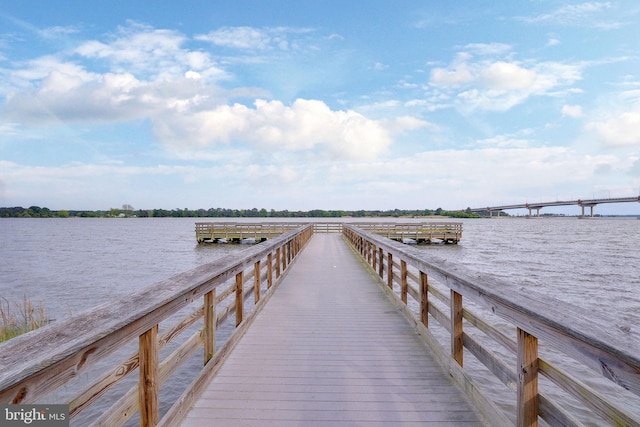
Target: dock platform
{"points": [[406, 232], [331, 350]]}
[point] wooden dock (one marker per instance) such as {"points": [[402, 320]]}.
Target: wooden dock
{"points": [[412, 232], [419, 233], [337, 330], [330, 349], [234, 232]]}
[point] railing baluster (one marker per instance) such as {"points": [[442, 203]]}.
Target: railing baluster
{"points": [[403, 282], [209, 325], [239, 297], [374, 252], [390, 270], [456, 326], [269, 270], [277, 263], [381, 263], [284, 257], [148, 388], [256, 282], [424, 299], [527, 380]]}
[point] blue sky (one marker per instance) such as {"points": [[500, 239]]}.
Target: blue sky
{"points": [[318, 104]]}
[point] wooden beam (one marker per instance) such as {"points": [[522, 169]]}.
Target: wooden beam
{"points": [[239, 298], [456, 327], [148, 390], [424, 299], [269, 271], [209, 325], [403, 281], [527, 400], [374, 257], [390, 270], [256, 282]]}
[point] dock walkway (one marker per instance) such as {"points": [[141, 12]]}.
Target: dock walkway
{"points": [[330, 349]]}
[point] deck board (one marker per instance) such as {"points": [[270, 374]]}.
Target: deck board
{"points": [[329, 349]]}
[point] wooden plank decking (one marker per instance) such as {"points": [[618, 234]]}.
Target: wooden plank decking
{"points": [[329, 349]]}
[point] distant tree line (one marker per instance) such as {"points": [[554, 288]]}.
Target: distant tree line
{"points": [[127, 211]]}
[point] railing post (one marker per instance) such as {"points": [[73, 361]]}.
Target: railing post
{"points": [[277, 263], [403, 281], [527, 380], [209, 325], [284, 257], [374, 257], [269, 270], [256, 282], [381, 263], [148, 388], [456, 326], [239, 297], [390, 270], [424, 299]]}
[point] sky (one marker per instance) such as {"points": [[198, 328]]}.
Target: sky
{"points": [[302, 105]]}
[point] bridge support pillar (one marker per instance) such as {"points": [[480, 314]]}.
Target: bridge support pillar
{"points": [[591, 210], [537, 211]]}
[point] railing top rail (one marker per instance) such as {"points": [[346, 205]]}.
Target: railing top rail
{"points": [[85, 337], [593, 340]]}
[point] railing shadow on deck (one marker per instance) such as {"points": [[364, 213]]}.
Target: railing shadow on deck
{"points": [[38, 363], [438, 288]]}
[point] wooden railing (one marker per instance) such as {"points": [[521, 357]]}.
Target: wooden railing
{"points": [[38, 363], [239, 230], [448, 232], [420, 232], [236, 231], [438, 288], [327, 227]]}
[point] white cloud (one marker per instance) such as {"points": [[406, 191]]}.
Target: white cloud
{"points": [[379, 66], [408, 123], [149, 53], [111, 97], [488, 48], [621, 130], [506, 76], [586, 14], [423, 180], [251, 38], [504, 141], [499, 85], [553, 41], [574, 111], [239, 38], [271, 125], [457, 74]]}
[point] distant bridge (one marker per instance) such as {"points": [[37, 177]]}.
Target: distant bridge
{"points": [[590, 203]]}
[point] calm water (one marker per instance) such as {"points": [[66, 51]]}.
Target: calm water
{"points": [[71, 265]]}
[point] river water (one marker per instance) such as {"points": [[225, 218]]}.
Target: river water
{"points": [[70, 265]]}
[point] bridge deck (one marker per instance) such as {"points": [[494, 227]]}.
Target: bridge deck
{"points": [[329, 349]]}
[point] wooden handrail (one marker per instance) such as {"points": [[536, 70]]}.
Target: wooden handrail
{"points": [[612, 353], [37, 363]]}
